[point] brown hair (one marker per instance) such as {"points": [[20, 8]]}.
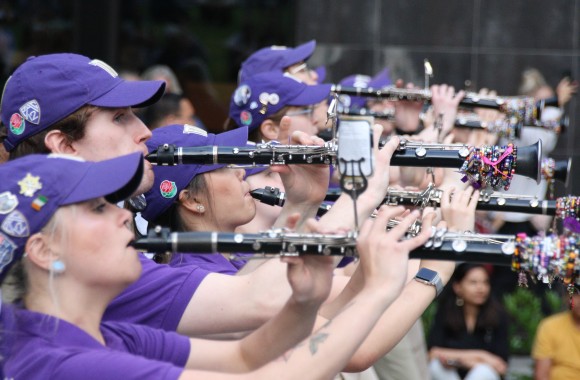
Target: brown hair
{"points": [[255, 135], [73, 127]]}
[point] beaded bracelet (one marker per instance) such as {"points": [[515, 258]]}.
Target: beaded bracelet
{"points": [[490, 167], [568, 210], [546, 258]]}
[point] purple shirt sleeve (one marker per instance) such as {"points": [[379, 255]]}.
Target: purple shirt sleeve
{"points": [[160, 296], [150, 343], [105, 364], [215, 263]]}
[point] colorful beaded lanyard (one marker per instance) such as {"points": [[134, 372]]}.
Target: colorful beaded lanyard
{"points": [[568, 210], [490, 167], [547, 258]]}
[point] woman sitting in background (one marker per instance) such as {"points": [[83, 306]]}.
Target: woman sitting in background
{"points": [[469, 337]]}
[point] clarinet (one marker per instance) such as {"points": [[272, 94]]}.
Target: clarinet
{"points": [[525, 108], [431, 197], [442, 245], [545, 257], [409, 153], [272, 242]]}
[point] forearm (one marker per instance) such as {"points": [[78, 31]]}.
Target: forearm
{"points": [[393, 325], [292, 325], [323, 354], [463, 356]]}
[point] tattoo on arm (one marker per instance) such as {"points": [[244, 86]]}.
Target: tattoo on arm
{"points": [[316, 340]]}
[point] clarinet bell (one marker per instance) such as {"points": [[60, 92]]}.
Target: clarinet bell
{"points": [[529, 161]]}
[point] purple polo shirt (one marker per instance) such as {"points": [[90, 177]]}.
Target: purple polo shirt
{"points": [[215, 263], [50, 348], [159, 297]]}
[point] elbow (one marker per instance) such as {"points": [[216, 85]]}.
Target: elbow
{"points": [[362, 360]]}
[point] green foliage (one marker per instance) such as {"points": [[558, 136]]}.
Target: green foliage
{"points": [[525, 311], [428, 316], [524, 308]]}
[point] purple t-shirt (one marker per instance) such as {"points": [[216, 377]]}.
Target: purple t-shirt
{"points": [[46, 347], [215, 263], [160, 296]]}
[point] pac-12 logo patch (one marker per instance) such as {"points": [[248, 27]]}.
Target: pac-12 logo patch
{"points": [[31, 111]]}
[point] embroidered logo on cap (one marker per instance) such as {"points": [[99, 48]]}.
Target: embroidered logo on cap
{"points": [[345, 100], [16, 225], [192, 129], [17, 124], [104, 66], [168, 189], [31, 111], [8, 202], [39, 202], [29, 185], [278, 47], [7, 248], [253, 105], [242, 95], [245, 118]]}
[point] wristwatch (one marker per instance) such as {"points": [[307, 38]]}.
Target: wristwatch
{"points": [[430, 277]]}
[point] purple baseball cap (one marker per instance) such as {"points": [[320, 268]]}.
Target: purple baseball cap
{"points": [[275, 58], [35, 186], [264, 94], [48, 88], [170, 180], [382, 79], [356, 80]]}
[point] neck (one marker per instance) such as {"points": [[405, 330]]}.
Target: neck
{"points": [[79, 305], [470, 310]]}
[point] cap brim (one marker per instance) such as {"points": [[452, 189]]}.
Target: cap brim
{"points": [[382, 79], [300, 53], [313, 94], [131, 94], [115, 179]]}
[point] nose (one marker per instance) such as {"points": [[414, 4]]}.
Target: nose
{"points": [[142, 133], [125, 216]]}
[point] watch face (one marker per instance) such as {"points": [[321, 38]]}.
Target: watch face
{"points": [[426, 274]]}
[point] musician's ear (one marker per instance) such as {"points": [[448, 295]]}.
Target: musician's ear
{"points": [[190, 203], [58, 142], [269, 130]]}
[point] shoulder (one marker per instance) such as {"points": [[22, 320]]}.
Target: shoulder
{"points": [[555, 321]]}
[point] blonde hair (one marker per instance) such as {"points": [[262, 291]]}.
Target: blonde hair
{"points": [[16, 284]]}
